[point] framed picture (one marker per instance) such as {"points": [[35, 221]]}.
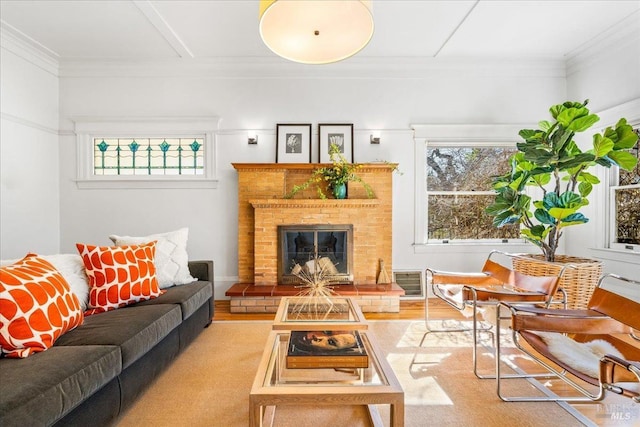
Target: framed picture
{"points": [[293, 143], [338, 134]]}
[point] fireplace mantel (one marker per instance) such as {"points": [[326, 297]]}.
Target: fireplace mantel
{"points": [[313, 203]]}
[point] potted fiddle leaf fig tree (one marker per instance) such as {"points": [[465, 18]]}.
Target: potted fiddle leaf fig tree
{"points": [[550, 160]]}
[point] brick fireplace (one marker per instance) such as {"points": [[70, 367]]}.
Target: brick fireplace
{"points": [[262, 208]]}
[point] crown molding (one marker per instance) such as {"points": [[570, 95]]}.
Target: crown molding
{"points": [[623, 36], [277, 68], [630, 110], [28, 49]]}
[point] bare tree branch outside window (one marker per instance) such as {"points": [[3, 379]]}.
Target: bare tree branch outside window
{"points": [[627, 203], [459, 189]]}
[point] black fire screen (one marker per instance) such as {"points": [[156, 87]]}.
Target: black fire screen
{"points": [[329, 247]]}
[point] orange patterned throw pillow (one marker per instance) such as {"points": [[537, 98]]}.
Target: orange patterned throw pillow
{"points": [[119, 275], [36, 307]]}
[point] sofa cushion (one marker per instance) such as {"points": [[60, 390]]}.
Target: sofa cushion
{"points": [[36, 307], [71, 268], [190, 297], [171, 255], [45, 386], [119, 275], [134, 329]]}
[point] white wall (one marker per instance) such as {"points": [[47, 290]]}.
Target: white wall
{"points": [[44, 211], [607, 70], [608, 73], [29, 191], [389, 104]]}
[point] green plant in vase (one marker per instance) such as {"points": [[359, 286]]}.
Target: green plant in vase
{"points": [[334, 177], [550, 160]]}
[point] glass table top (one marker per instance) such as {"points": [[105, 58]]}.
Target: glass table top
{"points": [[319, 313]]}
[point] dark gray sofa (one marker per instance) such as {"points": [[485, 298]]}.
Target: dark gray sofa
{"points": [[95, 372]]}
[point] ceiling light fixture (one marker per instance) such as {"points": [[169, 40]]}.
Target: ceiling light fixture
{"points": [[316, 32]]}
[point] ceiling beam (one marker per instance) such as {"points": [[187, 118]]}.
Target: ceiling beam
{"points": [[464, 18], [152, 14]]}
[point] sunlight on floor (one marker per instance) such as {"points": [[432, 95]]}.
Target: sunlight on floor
{"points": [[418, 368], [418, 389]]}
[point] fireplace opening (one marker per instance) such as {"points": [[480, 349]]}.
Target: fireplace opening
{"points": [[331, 245]]}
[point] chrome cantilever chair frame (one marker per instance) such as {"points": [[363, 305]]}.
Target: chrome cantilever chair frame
{"points": [[496, 337], [495, 283], [564, 321]]}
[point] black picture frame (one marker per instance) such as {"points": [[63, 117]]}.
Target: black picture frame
{"points": [[293, 143], [341, 133]]}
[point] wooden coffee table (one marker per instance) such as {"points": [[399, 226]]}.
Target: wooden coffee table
{"points": [[275, 385]]}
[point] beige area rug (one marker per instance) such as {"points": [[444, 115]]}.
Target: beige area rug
{"points": [[209, 384]]}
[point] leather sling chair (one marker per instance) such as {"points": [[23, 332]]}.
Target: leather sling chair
{"points": [[493, 284], [609, 316], [613, 376]]}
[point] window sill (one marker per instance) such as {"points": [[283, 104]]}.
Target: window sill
{"points": [[627, 256], [124, 183], [471, 247]]}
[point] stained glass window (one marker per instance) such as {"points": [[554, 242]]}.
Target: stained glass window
{"points": [[148, 156]]}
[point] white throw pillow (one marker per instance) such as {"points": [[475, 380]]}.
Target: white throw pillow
{"points": [[172, 260], [72, 269]]}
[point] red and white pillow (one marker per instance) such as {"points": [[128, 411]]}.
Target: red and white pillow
{"points": [[36, 307], [119, 275], [71, 268]]}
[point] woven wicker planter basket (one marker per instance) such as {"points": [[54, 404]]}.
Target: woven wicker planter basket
{"points": [[578, 281]]}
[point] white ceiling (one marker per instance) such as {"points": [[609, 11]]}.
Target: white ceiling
{"points": [[131, 30]]}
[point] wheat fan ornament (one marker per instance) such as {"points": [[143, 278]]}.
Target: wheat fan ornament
{"points": [[383, 277]]}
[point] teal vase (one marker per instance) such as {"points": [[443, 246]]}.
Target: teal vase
{"points": [[340, 191]]}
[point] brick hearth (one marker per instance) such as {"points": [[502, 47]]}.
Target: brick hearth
{"points": [[248, 298], [262, 208]]}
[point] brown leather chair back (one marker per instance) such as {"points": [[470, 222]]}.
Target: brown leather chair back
{"points": [[498, 271], [618, 307], [543, 284]]}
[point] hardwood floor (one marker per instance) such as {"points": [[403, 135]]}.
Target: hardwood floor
{"points": [[598, 413]]}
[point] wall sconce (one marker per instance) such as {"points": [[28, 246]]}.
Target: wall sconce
{"points": [[252, 138], [375, 138]]}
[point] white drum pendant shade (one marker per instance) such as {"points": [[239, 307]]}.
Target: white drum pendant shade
{"points": [[316, 31]]}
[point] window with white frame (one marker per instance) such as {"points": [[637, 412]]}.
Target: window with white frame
{"points": [[459, 178], [624, 196], [146, 153], [148, 156], [454, 167]]}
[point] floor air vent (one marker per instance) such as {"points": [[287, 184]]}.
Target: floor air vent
{"points": [[411, 282]]}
